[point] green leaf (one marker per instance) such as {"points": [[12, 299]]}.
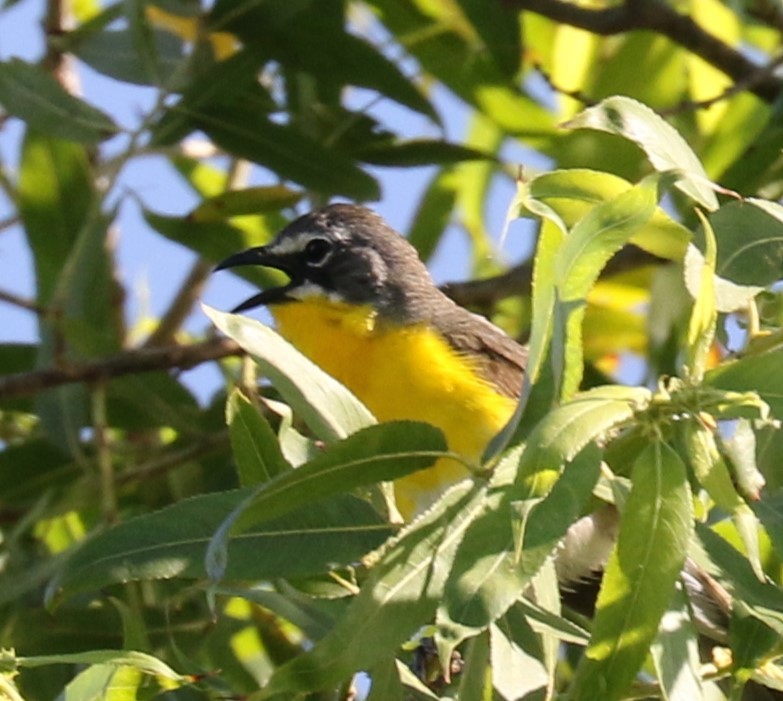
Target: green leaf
{"points": [[574, 192], [101, 682], [317, 43], [419, 152], [428, 35], [763, 599], [584, 252], [227, 84], [113, 53], [27, 91], [254, 443], [400, 595], [675, 651], [490, 571], [665, 148], [749, 252], [517, 667], [704, 315], [172, 542], [433, 213], [116, 658], [640, 577], [498, 27], [55, 199], [284, 149], [250, 200], [383, 452], [475, 680], [566, 430], [329, 409], [759, 373]]}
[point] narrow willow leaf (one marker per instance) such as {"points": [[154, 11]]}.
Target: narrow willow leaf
{"points": [[116, 658], [489, 571], [517, 666], [172, 543], [665, 148], [475, 680], [752, 642], [750, 234], [286, 151], [479, 81], [400, 595], [675, 652], [27, 91], [740, 448], [498, 28], [704, 316], [584, 253], [419, 152], [769, 511], [113, 54], [755, 373], [250, 200], [327, 407], [640, 577], [56, 196], [215, 240], [105, 682], [384, 452], [256, 451], [386, 684], [566, 430], [433, 213], [763, 599], [574, 192]]}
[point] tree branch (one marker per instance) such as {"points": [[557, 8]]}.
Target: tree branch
{"points": [[660, 17], [135, 361]]}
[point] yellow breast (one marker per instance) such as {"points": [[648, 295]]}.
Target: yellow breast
{"points": [[401, 372]]}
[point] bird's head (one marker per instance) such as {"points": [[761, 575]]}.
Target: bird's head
{"points": [[343, 253]]}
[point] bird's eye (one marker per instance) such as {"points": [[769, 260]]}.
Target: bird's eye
{"points": [[316, 251]]}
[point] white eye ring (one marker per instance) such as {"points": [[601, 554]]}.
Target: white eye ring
{"points": [[317, 251]]}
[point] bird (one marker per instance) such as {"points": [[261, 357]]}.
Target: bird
{"points": [[361, 304]]}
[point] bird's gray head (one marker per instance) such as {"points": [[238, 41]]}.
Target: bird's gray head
{"points": [[345, 253]]}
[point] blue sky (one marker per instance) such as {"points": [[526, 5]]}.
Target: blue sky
{"points": [[152, 267]]}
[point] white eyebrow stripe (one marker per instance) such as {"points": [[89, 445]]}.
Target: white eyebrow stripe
{"points": [[296, 244]]}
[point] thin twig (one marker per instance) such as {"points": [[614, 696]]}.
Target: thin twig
{"points": [[160, 465], [131, 362], [23, 302]]}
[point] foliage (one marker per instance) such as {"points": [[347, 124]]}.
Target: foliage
{"points": [[148, 550]]}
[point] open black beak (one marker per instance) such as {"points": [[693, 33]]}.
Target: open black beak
{"points": [[261, 255]]}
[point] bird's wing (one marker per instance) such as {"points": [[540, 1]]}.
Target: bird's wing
{"points": [[501, 360]]}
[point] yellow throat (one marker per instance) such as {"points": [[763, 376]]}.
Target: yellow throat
{"points": [[401, 372]]}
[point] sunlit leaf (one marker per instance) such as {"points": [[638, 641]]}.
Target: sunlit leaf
{"points": [[664, 146], [640, 576], [330, 410]]}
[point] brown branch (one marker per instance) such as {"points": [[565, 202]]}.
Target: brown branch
{"points": [[518, 280], [131, 362], [660, 17], [22, 302]]}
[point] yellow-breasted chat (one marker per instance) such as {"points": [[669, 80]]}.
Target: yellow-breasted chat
{"points": [[362, 306]]}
